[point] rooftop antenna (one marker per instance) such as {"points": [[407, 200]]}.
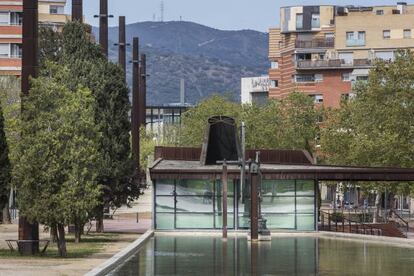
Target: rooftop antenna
{"points": [[162, 8]]}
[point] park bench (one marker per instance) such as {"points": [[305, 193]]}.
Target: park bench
{"points": [[20, 243]]}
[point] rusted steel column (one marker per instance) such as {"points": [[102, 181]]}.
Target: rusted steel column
{"points": [[224, 198], [254, 208], [135, 103], [122, 45], [103, 26], [27, 230], [143, 91], [30, 43], [77, 10]]}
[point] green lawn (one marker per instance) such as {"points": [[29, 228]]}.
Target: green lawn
{"points": [[91, 244]]}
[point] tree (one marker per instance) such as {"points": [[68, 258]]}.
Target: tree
{"points": [[4, 172], [376, 127], [89, 68], [56, 174], [290, 123], [10, 105]]}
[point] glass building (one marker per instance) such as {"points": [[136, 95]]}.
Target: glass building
{"points": [[197, 204]]}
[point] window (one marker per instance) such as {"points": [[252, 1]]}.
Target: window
{"points": [[349, 35], [380, 12], [304, 78], [299, 21], [16, 18], [318, 98], [361, 78], [330, 36], [274, 65], [57, 9], [407, 33], [318, 77], [16, 50], [346, 58], [386, 34], [355, 38], [4, 49], [316, 20], [274, 83], [385, 55], [346, 77], [4, 18]]}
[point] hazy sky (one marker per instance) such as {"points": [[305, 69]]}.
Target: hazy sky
{"points": [[222, 14]]}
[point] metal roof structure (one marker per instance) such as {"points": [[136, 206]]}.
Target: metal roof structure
{"points": [[173, 163]]}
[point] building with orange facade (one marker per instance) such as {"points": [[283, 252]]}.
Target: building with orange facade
{"points": [[51, 13], [323, 50]]}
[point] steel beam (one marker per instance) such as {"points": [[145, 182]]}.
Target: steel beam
{"points": [[122, 45], [28, 230], [224, 198], [103, 26], [254, 208], [143, 91], [135, 113], [77, 10]]}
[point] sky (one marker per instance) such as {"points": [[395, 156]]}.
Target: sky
{"points": [[221, 14]]}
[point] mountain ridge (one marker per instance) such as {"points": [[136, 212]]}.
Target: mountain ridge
{"points": [[210, 60]]}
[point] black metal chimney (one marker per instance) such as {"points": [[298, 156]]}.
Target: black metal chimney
{"points": [[143, 92], [135, 113]]}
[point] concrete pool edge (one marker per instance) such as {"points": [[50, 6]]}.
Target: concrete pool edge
{"points": [[112, 263]]}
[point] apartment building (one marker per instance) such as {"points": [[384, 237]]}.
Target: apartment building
{"points": [[51, 13], [255, 90], [323, 50]]}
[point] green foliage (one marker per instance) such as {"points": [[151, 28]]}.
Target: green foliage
{"points": [[89, 68], [4, 164], [288, 124], [376, 128], [56, 174]]}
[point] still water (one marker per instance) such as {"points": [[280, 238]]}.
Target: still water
{"points": [[190, 255]]}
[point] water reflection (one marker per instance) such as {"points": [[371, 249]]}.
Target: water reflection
{"points": [[186, 255]]}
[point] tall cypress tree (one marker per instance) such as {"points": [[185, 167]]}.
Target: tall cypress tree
{"points": [[4, 170], [89, 68]]}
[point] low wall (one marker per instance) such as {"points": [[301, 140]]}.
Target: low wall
{"points": [[120, 257]]}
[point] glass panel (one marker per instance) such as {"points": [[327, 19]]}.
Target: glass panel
{"points": [[164, 187], [305, 187], [165, 204], [278, 187], [305, 204], [194, 204], [280, 221], [244, 221], [278, 205], [316, 23], [4, 18], [192, 221], [195, 187], [219, 220], [299, 21], [305, 222], [230, 204], [230, 188], [164, 221]]}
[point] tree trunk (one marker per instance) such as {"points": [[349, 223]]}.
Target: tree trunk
{"points": [[61, 240], [377, 207], [6, 215], [78, 231], [53, 233], [99, 219]]}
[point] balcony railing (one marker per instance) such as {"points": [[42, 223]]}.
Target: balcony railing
{"points": [[355, 42], [315, 43], [333, 63]]}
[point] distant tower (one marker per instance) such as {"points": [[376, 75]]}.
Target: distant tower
{"points": [[162, 7], [182, 92]]}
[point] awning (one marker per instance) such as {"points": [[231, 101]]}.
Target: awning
{"points": [[360, 72]]}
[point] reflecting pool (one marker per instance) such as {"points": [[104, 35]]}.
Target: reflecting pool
{"points": [[206, 255]]}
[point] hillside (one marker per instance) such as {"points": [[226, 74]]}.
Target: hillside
{"points": [[210, 60]]}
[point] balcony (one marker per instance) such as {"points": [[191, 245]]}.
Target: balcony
{"points": [[333, 64], [315, 43], [355, 42]]}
